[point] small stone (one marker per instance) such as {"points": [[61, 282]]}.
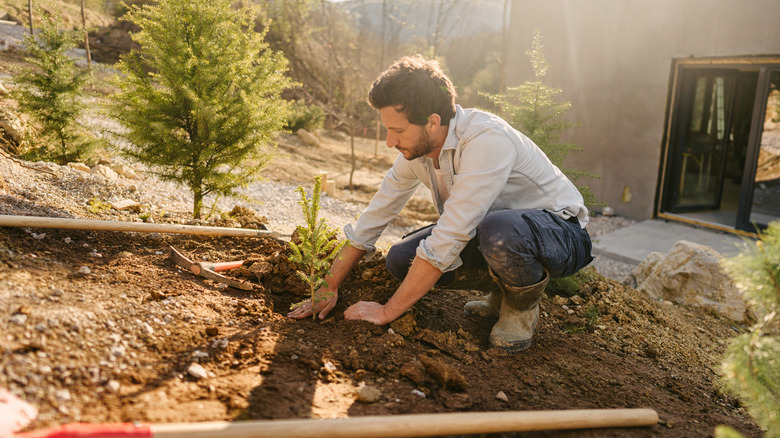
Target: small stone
{"points": [[18, 318], [198, 355], [220, 344], [118, 350], [559, 300], [84, 270], [307, 137], [126, 204], [41, 327], [502, 396], [576, 300], [105, 172], [79, 166], [67, 240], [62, 395], [113, 386], [197, 371], [38, 236], [156, 236], [125, 171], [368, 394], [148, 328], [418, 393]]}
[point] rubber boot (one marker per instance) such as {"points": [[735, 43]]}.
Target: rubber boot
{"points": [[488, 307], [518, 316], [481, 280]]}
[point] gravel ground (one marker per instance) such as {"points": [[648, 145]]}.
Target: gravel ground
{"points": [[617, 270]]}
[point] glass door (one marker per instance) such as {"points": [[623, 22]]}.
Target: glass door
{"points": [[764, 206], [700, 140]]}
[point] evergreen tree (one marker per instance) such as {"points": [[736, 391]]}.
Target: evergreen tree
{"points": [[317, 245], [201, 98], [531, 108], [50, 93], [751, 369]]}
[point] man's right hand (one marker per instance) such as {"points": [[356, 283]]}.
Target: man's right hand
{"points": [[326, 300]]}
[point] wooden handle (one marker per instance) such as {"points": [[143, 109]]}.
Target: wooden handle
{"points": [[141, 227], [216, 267], [414, 425]]}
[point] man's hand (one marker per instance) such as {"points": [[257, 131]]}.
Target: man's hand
{"points": [[370, 311], [326, 300], [420, 279]]}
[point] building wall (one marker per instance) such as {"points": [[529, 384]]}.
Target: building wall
{"points": [[613, 58]]}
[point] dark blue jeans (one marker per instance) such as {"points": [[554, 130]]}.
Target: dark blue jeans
{"points": [[517, 245]]}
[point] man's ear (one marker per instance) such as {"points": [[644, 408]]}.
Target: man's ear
{"points": [[434, 120]]}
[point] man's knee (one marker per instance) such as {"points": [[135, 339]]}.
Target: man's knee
{"points": [[398, 262], [504, 231]]}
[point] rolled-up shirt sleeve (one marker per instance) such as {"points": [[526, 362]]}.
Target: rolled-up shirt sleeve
{"points": [[397, 187]]}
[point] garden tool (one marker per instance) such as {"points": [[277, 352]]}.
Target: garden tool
{"points": [[209, 270], [518, 315]]}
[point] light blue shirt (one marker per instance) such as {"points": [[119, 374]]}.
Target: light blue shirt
{"points": [[487, 166]]}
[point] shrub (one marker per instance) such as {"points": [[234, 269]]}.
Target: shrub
{"points": [[50, 94], [303, 116], [751, 369], [201, 98]]}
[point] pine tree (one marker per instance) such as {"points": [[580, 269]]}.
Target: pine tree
{"points": [[201, 98], [50, 93], [531, 108], [751, 369], [317, 245]]}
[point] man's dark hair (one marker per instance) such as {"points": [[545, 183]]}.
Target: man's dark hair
{"points": [[417, 87]]}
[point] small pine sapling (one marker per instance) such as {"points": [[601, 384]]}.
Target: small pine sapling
{"points": [[51, 93], [532, 108], [317, 246]]}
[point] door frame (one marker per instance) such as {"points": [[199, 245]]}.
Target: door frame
{"points": [[765, 65]]}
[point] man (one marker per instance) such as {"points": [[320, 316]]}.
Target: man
{"points": [[509, 219]]}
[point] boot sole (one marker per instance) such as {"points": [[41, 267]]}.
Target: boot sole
{"points": [[513, 347]]}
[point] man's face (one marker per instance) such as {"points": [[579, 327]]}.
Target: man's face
{"points": [[413, 141]]}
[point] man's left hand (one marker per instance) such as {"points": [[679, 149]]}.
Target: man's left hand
{"points": [[370, 311]]}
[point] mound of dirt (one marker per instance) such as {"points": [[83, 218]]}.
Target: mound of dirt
{"points": [[102, 327]]}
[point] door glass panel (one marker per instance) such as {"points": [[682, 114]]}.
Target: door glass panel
{"points": [[701, 161], [766, 192]]}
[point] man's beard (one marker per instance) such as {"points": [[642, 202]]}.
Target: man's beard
{"points": [[424, 146]]}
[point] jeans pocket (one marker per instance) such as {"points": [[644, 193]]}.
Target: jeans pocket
{"points": [[563, 247]]}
